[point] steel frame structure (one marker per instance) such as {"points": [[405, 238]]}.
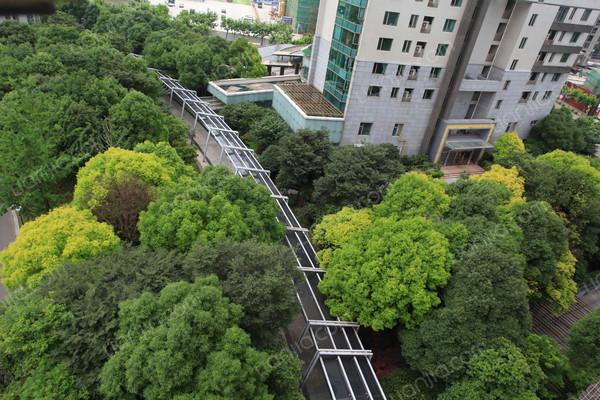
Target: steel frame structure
{"points": [[336, 365]]}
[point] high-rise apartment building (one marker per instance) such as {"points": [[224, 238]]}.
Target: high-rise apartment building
{"points": [[590, 45], [445, 77]]}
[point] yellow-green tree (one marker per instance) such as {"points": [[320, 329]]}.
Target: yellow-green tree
{"points": [[95, 179], [337, 229], [388, 274], [508, 146], [415, 195], [508, 177], [63, 235]]}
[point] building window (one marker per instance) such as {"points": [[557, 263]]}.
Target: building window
{"points": [[565, 57], [449, 25], [575, 37], [385, 44], [395, 91], [547, 95], [407, 96], [498, 104], [534, 122], [523, 43], [573, 13], [533, 77], [551, 57], [533, 19], [400, 71], [374, 91], [406, 46], [379, 68], [397, 131], [544, 76], [513, 65], [365, 128], [586, 15], [420, 49], [555, 77], [525, 97], [506, 85], [428, 94], [414, 20], [435, 73], [390, 18], [413, 74], [476, 96], [456, 3], [535, 96], [442, 49]]}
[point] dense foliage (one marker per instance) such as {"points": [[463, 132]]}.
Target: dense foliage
{"points": [[560, 130], [63, 235]]}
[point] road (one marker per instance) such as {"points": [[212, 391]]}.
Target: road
{"points": [[8, 233]]}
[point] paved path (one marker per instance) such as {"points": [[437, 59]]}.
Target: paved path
{"points": [[8, 233]]}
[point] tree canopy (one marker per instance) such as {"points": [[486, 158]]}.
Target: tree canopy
{"points": [[63, 235], [584, 350], [185, 343], [388, 273], [559, 130], [217, 205]]}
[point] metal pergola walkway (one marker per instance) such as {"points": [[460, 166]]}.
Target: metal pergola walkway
{"points": [[336, 365]]}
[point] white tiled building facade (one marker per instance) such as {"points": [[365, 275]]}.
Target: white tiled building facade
{"points": [[446, 77]]}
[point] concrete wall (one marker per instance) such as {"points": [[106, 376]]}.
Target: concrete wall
{"points": [[384, 112], [297, 120], [322, 43]]}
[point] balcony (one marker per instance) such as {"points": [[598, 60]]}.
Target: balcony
{"points": [[567, 27], [433, 3], [480, 84]]}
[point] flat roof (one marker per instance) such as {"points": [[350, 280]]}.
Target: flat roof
{"points": [[253, 84], [310, 100]]}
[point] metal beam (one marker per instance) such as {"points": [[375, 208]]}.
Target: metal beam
{"points": [[346, 324]]}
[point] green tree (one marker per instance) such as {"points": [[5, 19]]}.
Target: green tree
{"points": [[559, 130], [265, 132], [501, 372], [507, 147], [241, 116], [63, 235], [336, 230], [34, 151], [414, 195], [358, 176], [185, 343], [160, 49], [486, 299], [299, 159], [31, 329], [257, 276], [200, 62], [552, 366], [136, 118], [388, 274], [245, 60], [572, 187], [545, 241], [584, 350], [216, 206]]}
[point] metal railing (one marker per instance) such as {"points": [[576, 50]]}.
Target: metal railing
{"points": [[337, 366]]}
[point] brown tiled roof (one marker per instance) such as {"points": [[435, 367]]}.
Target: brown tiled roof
{"points": [[310, 100]]}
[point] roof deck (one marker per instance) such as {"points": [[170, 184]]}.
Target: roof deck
{"points": [[310, 100]]}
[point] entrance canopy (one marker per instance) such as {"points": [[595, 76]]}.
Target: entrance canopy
{"points": [[468, 144]]}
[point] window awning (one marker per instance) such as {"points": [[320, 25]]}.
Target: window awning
{"points": [[470, 144]]}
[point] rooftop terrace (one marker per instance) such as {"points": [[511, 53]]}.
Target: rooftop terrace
{"points": [[310, 100]]}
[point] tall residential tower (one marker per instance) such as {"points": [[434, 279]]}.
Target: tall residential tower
{"points": [[445, 77]]}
